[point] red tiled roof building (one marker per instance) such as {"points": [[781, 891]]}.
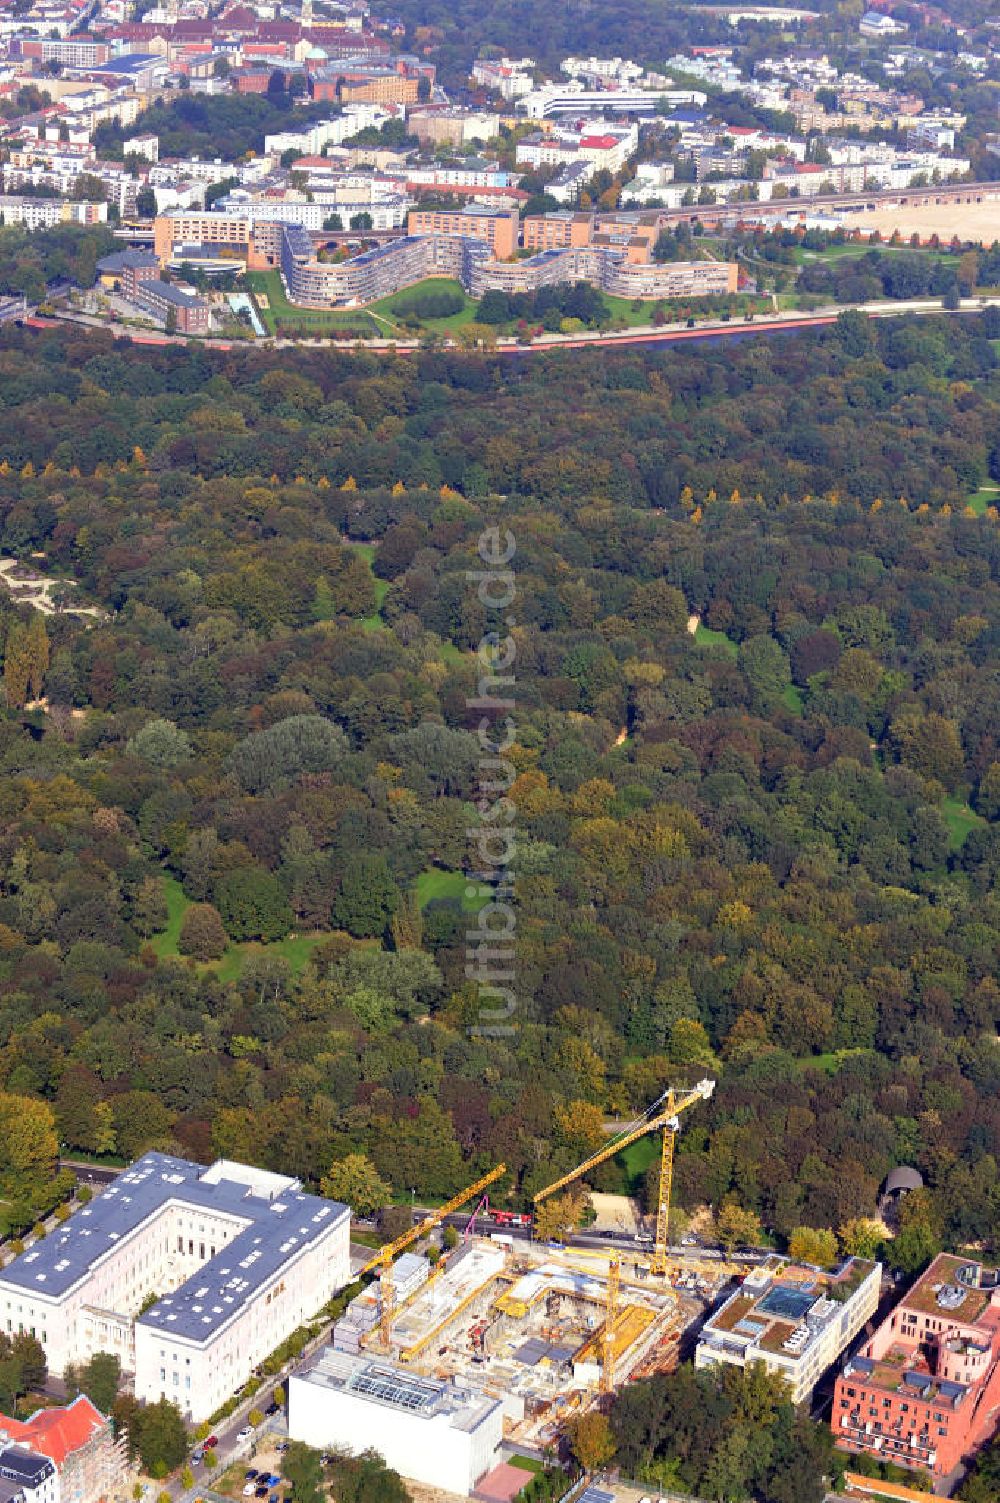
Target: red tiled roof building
{"points": [[79, 1440]]}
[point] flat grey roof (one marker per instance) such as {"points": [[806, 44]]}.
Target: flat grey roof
{"points": [[171, 294], [281, 1220], [381, 1382]]}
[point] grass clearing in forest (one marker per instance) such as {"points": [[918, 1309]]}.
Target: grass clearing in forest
{"points": [[706, 637], [636, 1159], [792, 700], [166, 942], [960, 819], [374, 622], [296, 949], [987, 495], [829, 1062], [436, 883]]}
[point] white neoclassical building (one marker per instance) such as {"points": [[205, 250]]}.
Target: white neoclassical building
{"points": [[236, 1258]]}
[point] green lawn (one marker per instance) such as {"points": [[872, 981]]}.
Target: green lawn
{"points": [[706, 637], [303, 320], [792, 699], [374, 622], [366, 550], [387, 306], [641, 317], [841, 252], [830, 1062], [436, 883], [526, 1463], [296, 949], [636, 1159], [960, 820], [177, 905], [987, 495]]}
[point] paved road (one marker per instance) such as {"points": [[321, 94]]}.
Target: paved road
{"points": [[761, 323], [90, 1174]]}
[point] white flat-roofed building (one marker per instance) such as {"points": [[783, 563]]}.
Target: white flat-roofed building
{"points": [[567, 99], [237, 1257], [796, 1320], [444, 1434]]}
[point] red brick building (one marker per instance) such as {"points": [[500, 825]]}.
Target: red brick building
{"points": [[924, 1392]]}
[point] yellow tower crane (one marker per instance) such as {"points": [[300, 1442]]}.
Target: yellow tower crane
{"points": [[664, 1113], [383, 1258], [610, 1318]]}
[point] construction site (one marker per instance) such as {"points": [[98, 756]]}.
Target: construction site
{"points": [[529, 1325], [545, 1329]]}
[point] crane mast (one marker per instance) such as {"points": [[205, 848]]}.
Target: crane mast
{"points": [[610, 1319], [663, 1115]]}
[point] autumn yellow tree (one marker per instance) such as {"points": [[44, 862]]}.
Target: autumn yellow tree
{"points": [[590, 1440], [29, 1146], [559, 1217]]}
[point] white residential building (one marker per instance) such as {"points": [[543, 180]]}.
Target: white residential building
{"points": [[310, 141], [715, 66], [795, 1320], [874, 24], [510, 78], [237, 1257], [43, 213], [146, 146]]}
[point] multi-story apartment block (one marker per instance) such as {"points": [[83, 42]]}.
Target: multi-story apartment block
{"points": [[541, 232], [70, 52], [498, 227], [237, 1259], [375, 273], [452, 127], [795, 1320], [42, 213], [924, 1391], [554, 99], [506, 76], [187, 314]]}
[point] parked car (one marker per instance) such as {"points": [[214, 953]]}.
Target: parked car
{"points": [[245, 1433], [273, 1409], [262, 1491], [249, 1488], [211, 1443], [272, 1479], [197, 1455], [250, 1474]]}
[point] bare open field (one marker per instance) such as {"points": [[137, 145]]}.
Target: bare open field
{"points": [[978, 222]]}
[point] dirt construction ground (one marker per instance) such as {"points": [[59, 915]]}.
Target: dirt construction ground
{"points": [[977, 222]]}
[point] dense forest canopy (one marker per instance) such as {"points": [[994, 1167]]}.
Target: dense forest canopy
{"points": [[233, 835]]}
